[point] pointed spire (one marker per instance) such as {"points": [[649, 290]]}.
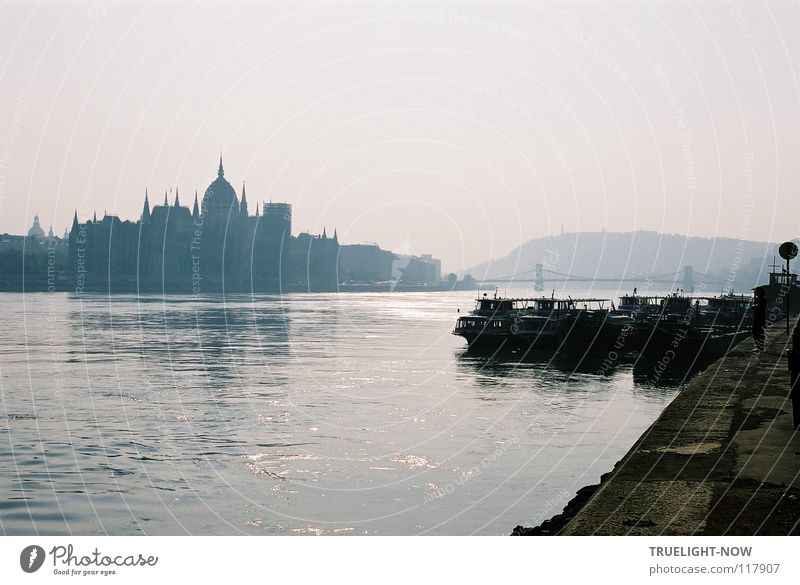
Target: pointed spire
{"points": [[66, 234], [243, 206], [256, 210], [324, 234], [95, 217], [146, 208], [335, 236], [221, 171], [50, 234], [75, 219], [166, 203], [196, 209], [177, 200]]}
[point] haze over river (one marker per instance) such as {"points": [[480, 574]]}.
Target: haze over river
{"points": [[309, 413]]}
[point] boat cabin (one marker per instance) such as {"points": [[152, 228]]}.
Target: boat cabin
{"points": [[636, 303], [677, 304], [550, 305], [781, 291], [490, 306], [728, 303], [782, 278]]}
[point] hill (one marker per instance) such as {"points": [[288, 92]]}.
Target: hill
{"points": [[742, 263]]}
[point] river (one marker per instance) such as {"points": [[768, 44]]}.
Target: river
{"points": [[303, 414]]}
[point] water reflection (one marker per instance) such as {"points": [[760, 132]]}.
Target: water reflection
{"points": [[512, 364], [274, 415], [199, 338], [655, 371], [648, 369], [648, 375]]}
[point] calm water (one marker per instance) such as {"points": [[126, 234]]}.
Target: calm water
{"points": [[335, 414]]}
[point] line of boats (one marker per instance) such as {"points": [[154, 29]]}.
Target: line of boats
{"points": [[676, 325]]}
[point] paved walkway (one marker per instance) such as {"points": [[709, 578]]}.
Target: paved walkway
{"points": [[723, 458]]}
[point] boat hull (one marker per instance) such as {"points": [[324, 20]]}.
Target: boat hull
{"points": [[690, 342]]}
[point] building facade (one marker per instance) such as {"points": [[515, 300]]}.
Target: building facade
{"points": [[216, 246], [365, 263]]}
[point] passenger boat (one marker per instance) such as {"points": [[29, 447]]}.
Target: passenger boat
{"points": [[727, 309], [675, 325], [544, 324], [781, 292], [593, 325], [489, 325], [634, 304], [684, 330], [516, 324]]}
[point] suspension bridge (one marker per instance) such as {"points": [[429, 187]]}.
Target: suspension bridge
{"points": [[686, 279]]}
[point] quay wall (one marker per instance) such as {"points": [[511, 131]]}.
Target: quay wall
{"points": [[722, 459]]}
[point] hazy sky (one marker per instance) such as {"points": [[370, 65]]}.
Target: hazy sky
{"points": [[459, 129]]}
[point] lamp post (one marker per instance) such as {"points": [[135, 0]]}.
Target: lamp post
{"points": [[787, 251]]}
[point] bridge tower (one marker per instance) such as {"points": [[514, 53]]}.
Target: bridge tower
{"points": [[538, 278], [688, 278]]}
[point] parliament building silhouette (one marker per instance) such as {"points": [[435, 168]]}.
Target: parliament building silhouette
{"points": [[217, 246]]}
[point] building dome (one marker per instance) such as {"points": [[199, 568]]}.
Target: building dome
{"points": [[36, 230], [220, 195]]}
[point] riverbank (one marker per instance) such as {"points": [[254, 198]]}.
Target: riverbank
{"points": [[722, 459], [28, 285]]}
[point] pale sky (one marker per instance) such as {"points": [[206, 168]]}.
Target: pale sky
{"points": [[460, 129]]}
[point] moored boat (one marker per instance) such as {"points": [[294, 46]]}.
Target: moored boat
{"points": [[543, 326], [522, 324], [688, 328], [489, 325], [727, 309]]}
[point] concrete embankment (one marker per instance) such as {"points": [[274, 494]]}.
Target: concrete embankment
{"points": [[723, 458]]}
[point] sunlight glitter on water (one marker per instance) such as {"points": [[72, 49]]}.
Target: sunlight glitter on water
{"points": [[335, 414]]}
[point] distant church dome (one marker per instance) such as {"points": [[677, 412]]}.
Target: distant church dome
{"points": [[220, 195], [36, 230]]}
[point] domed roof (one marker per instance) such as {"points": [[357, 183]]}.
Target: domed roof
{"points": [[220, 195], [36, 229]]}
